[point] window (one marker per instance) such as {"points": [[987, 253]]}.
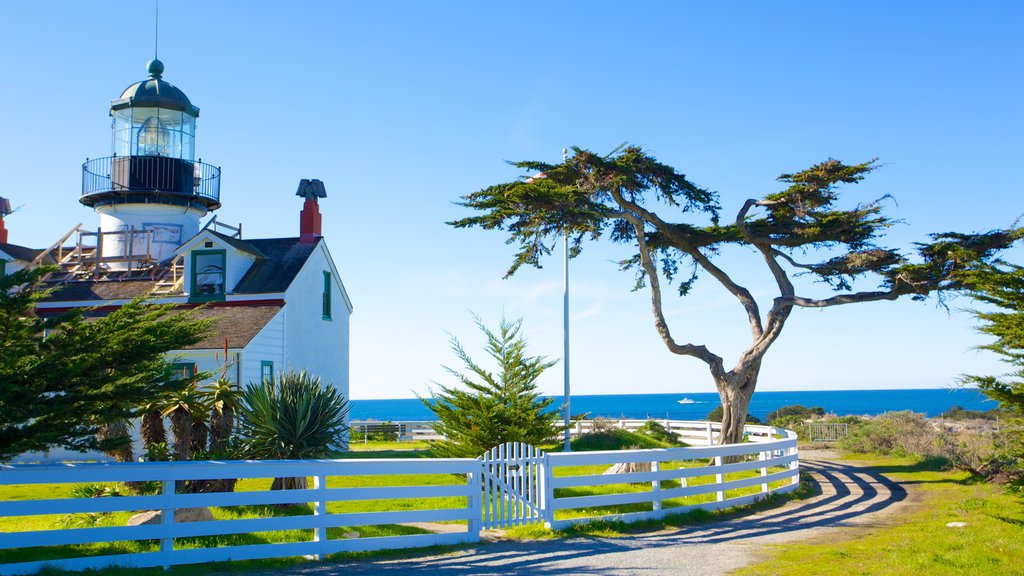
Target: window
{"points": [[327, 296], [181, 371], [207, 275], [266, 370]]}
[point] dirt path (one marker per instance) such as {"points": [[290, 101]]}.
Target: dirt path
{"points": [[852, 498]]}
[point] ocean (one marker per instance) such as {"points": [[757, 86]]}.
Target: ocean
{"points": [[695, 406]]}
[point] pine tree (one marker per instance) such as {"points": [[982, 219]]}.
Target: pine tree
{"points": [[491, 409], [63, 379]]}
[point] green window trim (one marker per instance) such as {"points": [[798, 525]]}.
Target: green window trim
{"points": [[327, 296], [182, 370], [205, 286], [3, 267], [266, 370]]}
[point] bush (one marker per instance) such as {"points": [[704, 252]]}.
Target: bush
{"points": [[795, 412], [615, 440], [652, 429], [961, 413], [716, 416], [895, 433]]}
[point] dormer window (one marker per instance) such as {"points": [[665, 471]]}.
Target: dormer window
{"points": [[208, 277]]}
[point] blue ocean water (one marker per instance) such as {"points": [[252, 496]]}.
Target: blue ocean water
{"points": [[931, 402]]}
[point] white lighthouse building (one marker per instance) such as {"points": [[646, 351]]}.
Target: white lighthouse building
{"points": [[151, 193], [277, 303]]}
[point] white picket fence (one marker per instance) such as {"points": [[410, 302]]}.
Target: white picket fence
{"points": [[512, 484], [769, 452], [167, 473]]}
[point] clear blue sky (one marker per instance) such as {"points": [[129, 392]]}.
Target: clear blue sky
{"points": [[401, 107]]}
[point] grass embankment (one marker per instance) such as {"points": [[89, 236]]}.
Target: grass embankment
{"points": [[918, 542]]}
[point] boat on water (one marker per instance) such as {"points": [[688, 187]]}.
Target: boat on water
{"points": [[687, 401]]}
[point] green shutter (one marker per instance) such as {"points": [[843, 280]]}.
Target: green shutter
{"points": [[327, 296]]}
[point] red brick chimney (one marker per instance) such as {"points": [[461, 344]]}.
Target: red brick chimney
{"points": [[5, 209], [309, 219]]}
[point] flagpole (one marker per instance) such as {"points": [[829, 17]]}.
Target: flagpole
{"points": [[565, 326]]}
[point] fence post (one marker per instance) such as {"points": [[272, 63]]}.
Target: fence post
{"points": [[656, 486], [763, 456], [549, 494], [711, 434], [795, 464], [475, 503], [719, 478], [320, 511], [167, 522]]}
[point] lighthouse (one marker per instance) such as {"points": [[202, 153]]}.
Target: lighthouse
{"points": [[151, 192]]}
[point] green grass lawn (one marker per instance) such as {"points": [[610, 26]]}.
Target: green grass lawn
{"points": [[919, 543], [384, 450]]}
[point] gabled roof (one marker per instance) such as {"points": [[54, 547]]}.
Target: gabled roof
{"points": [[242, 245], [20, 252], [283, 259], [238, 324], [102, 290]]}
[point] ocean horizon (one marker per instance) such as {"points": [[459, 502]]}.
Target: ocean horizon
{"points": [[696, 405]]}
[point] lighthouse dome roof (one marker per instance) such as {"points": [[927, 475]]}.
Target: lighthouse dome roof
{"points": [[155, 92]]}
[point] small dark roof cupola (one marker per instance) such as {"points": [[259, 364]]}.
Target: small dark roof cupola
{"points": [[152, 179]]}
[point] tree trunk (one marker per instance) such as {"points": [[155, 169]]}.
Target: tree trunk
{"points": [[118, 441], [736, 391], [152, 429], [181, 427], [200, 433], [221, 424]]}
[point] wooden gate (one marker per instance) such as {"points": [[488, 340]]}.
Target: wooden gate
{"points": [[513, 485]]}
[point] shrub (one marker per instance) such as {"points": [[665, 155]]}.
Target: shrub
{"points": [[961, 413], [895, 433], [614, 440], [652, 429], [796, 411]]}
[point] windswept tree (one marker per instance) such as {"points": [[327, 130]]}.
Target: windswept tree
{"points": [[64, 379], [675, 228]]}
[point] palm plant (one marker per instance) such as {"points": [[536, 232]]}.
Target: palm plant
{"points": [[292, 416], [223, 395], [152, 426], [184, 408]]}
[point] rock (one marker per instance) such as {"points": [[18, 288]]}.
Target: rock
{"points": [[956, 525], [350, 535], [629, 467], [180, 515]]}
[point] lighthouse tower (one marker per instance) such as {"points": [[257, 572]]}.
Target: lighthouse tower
{"points": [[151, 192]]}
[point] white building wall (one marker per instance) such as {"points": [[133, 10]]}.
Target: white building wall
{"points": [[312, 343], [12, 265], [267, 345]]}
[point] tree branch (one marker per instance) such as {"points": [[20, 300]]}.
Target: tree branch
{"points": [[742, 294], [712, 360]]}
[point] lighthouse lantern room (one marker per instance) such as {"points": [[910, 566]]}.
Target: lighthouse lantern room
{"points": [[151, 192]]}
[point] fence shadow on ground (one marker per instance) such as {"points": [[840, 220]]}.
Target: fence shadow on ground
{"points": [[847, 495]]}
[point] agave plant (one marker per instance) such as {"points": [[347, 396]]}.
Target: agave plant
{"points": [[292, 416]]}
